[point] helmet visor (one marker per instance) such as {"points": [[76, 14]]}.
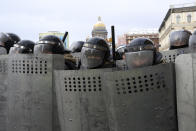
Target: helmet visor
{"points": [[139, 48], [97, 47], [17, 49], [179, 38], [139, 59], [43, 49], [91, 58]]}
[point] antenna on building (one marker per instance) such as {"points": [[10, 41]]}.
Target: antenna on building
{"points": [[65, 36], [113, 43]]}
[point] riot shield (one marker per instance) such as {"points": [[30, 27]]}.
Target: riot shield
{"points": [[3, 91], [30, 93], [142, 99], [170, 56], [185, 84], [77, 57], [121, 65], [81, 106]]}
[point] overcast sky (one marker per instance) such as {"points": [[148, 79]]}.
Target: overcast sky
{"points": [[28, 18]]}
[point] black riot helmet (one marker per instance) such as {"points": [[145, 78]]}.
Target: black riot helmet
{"points": [[8, 40], [179, 39], [22, 47], [140, 53], [77, 46], [94, 53], [49, 45], [192, 42]]}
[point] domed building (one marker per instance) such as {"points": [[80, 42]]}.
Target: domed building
{"points": [[99, 29]]}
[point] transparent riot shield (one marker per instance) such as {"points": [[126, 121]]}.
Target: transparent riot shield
{"points": [[3, 91], [77, 56], [121, 65], [31, 97], [142, 99], [170, 56], [81, 106], [186, 89]]}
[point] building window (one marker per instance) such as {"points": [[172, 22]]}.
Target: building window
{"points": [[189, 18], [178, 19]]}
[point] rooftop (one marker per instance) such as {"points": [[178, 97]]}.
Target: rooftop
{"points": [[189, 7], [143, 31], [182, 5]]}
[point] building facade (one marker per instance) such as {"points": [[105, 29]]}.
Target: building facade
{"points": [[178, 17], [99, 29], [58, 34], [150, 34]]}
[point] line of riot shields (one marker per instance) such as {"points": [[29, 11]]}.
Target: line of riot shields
{"points": [[144, 91], [38, 94]]}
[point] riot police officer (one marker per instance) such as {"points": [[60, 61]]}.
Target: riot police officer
{"points": [[140, 53], [192, 42], [7, 40], [51, 44], [23, 47], [95, 53], [179, 39], [77, 46]]}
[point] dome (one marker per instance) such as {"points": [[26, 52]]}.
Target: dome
{"points": [[99, 29], [99, 25]]}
